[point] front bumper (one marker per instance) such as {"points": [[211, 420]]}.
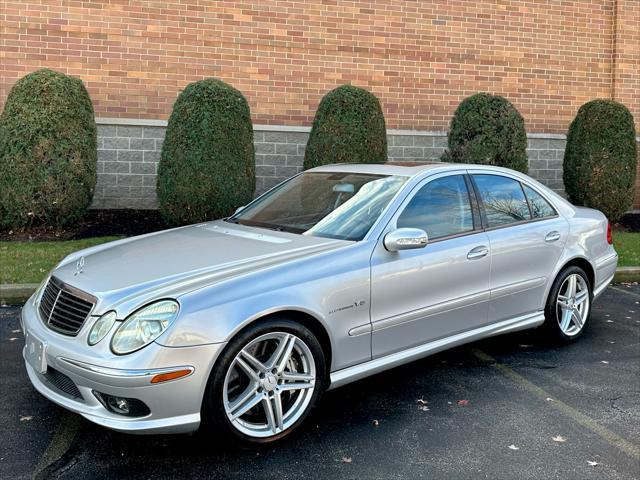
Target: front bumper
{"points": [[174, 405]]}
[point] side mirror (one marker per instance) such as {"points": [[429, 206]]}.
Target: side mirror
{"points": [[239, 209], [405, 239]]}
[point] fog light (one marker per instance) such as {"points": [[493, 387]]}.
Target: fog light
{"points": [[120, 405], [129, 407]]}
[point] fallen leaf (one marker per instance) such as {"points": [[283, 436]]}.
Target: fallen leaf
{"points": [[593, 464], [26, 418], [346, 460], [559, 438], [375, 423], [463, 403], [513, 447]]}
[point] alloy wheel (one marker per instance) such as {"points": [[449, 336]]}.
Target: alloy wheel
{"points": [[572, 304], [269, 384]]}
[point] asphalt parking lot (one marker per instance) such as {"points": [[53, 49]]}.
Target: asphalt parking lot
{"points": [[508, 407]]}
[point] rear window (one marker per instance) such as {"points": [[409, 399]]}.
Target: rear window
{"points": [[540, 208], [503, 199]]}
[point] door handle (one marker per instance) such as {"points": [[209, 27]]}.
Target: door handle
{"points": [[478, 252], [552, 236]]}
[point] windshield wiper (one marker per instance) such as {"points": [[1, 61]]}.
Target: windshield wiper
{"points": [[270, 226]]}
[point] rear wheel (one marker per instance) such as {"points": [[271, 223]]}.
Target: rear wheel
{"points": [[569, 304], [266, 382]]}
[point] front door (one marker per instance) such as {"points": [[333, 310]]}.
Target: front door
{"points": [[421, 295]]}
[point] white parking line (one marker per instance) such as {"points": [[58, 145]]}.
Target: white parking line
{"points": [[587, 422], [622, 290], [61, 441]]}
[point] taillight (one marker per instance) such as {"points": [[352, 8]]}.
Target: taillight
{"points": [[609, 236]]}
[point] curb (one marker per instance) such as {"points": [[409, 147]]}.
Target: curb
{"points": [[627, 274], [18, 293]]}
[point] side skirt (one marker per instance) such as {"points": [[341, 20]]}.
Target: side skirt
{"points": [[362, 370]]}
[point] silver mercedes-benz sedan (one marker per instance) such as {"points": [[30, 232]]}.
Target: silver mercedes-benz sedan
{"points": [[336, 274]]}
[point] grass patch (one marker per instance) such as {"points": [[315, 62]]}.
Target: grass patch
{"points": [[29, 262], [627, 244]]}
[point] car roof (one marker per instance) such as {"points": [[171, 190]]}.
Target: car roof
{"points": [[406, 169]]}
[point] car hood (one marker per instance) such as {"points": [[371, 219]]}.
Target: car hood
{"points": [[173, 262]]}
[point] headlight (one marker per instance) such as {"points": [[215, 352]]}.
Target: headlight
{"points": [[101, 327], [144, 326]]}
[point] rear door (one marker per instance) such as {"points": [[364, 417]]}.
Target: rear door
{"points": [[526, 237], [421, 295]]}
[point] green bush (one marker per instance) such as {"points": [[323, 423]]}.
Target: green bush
{"points": [[489, 130], [47, 151], [600, 162], [348, 128], [207, 167]]}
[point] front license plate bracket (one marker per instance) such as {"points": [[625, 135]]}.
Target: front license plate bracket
{"points": [[35, 352]]}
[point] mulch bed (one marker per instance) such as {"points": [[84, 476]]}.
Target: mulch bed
{"points": [[127, 223], [97, 223], [631, 222]]}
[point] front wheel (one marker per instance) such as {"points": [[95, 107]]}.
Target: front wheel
{"points": [[569, 304], [266, 381]]}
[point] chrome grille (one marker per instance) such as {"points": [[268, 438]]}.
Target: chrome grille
{"points": [[64, 308]]}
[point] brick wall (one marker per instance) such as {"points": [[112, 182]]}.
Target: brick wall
{"points": [[421, 57]]}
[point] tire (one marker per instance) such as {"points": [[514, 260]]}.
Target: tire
{"points": [[250, 375], [566, 315]]}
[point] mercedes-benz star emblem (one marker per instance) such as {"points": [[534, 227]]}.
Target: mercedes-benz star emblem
{"points": [[79, 265]]}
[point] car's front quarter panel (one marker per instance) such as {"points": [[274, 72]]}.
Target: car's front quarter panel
{"points": [[332, 287]]}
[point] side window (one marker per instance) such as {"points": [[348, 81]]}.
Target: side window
{"points": [[540, 208], [440, 208], [503, 199]]}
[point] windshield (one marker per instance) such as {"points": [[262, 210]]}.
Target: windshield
{"points": [[325, 204]]}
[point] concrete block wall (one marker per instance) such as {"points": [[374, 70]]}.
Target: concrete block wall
{"points": [[128, 157]]}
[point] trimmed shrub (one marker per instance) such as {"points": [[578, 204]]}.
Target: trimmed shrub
{"points": [[489, 130], [600, 162], [48, 151], [207, 166], [348, 128]]}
